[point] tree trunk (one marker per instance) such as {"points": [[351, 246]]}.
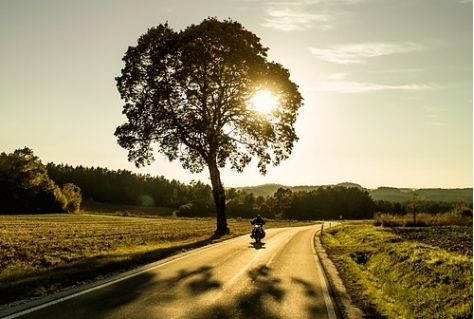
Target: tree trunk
{"points": [[219, 199]]}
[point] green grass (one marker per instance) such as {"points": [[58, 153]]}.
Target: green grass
{"points": [[40, 254], [391, 276]]}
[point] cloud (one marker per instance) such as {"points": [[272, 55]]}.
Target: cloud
{"points": [[359, 53], [435, 116], [337, 76], [294, 17], [362, 87], [405, 71], [289, 15], [337, 83]]}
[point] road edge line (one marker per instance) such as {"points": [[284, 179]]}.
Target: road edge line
{"points": [[343, 301], [324, 282]]}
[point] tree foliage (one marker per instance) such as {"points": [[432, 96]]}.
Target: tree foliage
{"points": [[25, 186], [283, 201], [189, 92], [333, 202], [122, 186]]}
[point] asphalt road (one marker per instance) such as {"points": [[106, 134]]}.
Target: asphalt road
{"points": [[281, 278]]}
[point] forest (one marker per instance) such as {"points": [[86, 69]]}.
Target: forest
{"points": [[28, 186]]}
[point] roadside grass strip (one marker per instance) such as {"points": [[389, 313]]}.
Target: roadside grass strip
{"points": [[391, 277]]}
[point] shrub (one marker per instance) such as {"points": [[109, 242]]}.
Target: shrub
{"points": [[72, 196], [185, 210]]}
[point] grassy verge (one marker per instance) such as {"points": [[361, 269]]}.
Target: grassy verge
{"points": [[390, 275], [40, 254]]}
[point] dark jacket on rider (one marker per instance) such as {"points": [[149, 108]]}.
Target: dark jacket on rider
{"points": [[258, 220]]}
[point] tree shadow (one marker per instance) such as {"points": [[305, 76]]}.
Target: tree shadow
{"points": [[203, 281], [154, 291], [314, 310], [47, 281], [196, 281], [148, 287], [263, 288], [308, 287]]}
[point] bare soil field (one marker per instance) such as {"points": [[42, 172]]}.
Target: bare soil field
{"points": [[453, 239]]}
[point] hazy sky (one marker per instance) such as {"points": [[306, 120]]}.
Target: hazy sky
{"points": [[387, 84]]}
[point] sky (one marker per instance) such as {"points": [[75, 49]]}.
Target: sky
{"points": [[387, 85]]}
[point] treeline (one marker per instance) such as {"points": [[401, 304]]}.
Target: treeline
{"points": [[392, 194], [329, 203], [429, 207], [461, 195], [123, 187], [332, 202], [25, 187], [195, 199]]}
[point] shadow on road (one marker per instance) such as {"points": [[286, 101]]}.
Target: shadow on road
{"points": [[257, 245], [51, 279], [313, 309], [263, 286], [262, 298], [113, 301], [202, 281]]}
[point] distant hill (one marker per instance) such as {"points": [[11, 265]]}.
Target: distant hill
{"points": [[428, 194], [262, 190], [391, 194], [270, 189]]}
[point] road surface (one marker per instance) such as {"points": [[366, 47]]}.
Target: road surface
{"points": [[281, 278]]}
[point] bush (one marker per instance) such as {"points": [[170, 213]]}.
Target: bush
{"points": [[185, 211], [72, 197]]}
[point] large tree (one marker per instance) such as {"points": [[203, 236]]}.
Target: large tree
{"points": [[192, 93]]}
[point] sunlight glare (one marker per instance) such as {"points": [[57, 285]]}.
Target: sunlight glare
{"points": [[264, 101]]}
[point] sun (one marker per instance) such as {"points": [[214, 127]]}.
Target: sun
{"points": [[264, 101]]}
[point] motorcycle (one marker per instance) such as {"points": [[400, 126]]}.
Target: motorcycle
{"points": [[258, 232]]}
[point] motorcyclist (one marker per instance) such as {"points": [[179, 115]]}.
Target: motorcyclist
{"points": [[257, 220]]}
